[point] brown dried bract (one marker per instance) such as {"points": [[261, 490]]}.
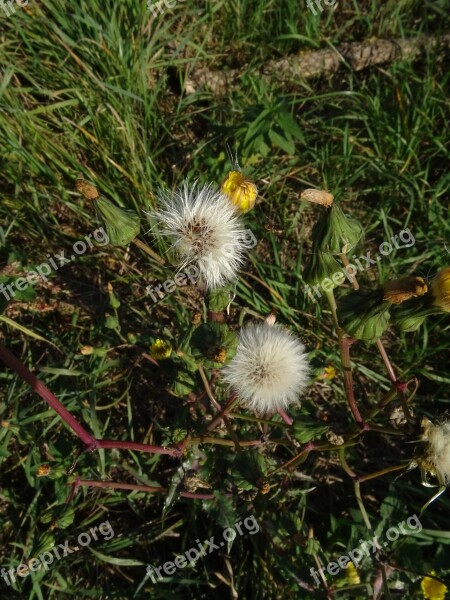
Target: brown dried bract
{"points": [[399, 290], [317, 197], [86, 189]]}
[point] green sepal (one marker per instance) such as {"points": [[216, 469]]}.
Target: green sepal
{"points": [[364, 315], [122, 225], [335, 232]]}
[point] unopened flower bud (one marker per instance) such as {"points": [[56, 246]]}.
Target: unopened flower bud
{"points": [[322, 267], [364, 315], [121, 225], [336, 232]]}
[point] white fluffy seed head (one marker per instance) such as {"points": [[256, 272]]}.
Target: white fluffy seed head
{"points": [[437, 438], [204, 229], [270, 369]]}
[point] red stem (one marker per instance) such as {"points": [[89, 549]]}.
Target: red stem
{"points": [[110, 444], [345, 344], [286, 418], [15, 365], [139, 488], [89, 440]]}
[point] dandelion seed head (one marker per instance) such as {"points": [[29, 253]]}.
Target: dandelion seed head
{"points": [[270, 369], [437, 453], [204, 229]]}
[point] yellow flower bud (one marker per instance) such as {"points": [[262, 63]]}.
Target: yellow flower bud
{"points": [[241, 191], [440, 287]]}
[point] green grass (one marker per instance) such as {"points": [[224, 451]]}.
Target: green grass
{"points": [[98, 89]]}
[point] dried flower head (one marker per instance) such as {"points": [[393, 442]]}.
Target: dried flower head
{"points": [[43, 470], [270, 369], [86, 189], [400, 290], [317, 197], [204, 229], [434, 459]]}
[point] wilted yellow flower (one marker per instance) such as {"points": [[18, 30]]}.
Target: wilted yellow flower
{"points": [[433, 589], [43, 470], [86, 350], [263, 485], [197, 318], [220, 355], [160, 350], [440, 287], [241, 191], [399, 290]]}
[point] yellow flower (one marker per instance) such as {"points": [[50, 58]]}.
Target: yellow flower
{"points": [[440, 287], [348, 577], [329, 373], [241, 191], [433, 589], [352, 574], [160, 349]]}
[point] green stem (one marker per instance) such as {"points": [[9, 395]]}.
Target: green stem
{"points": [[381, 472], [148, 250]]}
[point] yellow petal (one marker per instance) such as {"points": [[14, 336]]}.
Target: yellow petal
{"points": [[241, 191], [433, 589]]}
